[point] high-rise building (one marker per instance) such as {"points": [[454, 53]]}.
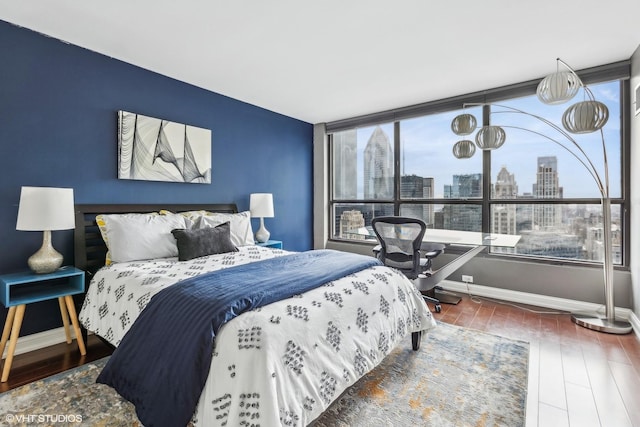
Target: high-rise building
{"points": [[345, 162], [463, 217], [547, 186], [505, 186], [350, 222], [417, 187], [378, 166], [464, 186], [504, 218]]}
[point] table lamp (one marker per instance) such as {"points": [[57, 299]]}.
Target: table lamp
{"points": [[45, 209], [261, 206]]}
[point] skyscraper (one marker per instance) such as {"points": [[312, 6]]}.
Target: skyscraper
{"points": [[378, 166], [464, 186], [350, 222], [505, 186], [504, 216], [463, 217], [417, 187], [547, 186]]}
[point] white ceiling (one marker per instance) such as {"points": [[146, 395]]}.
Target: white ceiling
{"points": [[325, 60]]}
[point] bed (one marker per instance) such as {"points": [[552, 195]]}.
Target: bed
{"points": [[280, 364]]}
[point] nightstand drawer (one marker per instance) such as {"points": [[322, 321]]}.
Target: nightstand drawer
{"points": [[28, 287]]}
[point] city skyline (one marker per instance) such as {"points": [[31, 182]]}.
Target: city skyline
{"points": [[547, 229], [426, 145], [378, 166]]}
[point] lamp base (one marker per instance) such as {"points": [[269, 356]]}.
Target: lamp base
{"points": [[602, 324], [47, 259], [262, 235]]}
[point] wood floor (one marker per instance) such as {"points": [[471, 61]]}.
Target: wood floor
{"points": [[35, 365], [577, 377]]}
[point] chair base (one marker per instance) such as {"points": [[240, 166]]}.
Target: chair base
{"points": [[433, 301], [438, 295], [446, 297]]}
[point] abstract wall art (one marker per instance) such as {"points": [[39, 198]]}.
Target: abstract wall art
{"points": [[152, 149]]}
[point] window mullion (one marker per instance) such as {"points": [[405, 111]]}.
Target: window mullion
{"points": [[396, 168], [486, 176]]}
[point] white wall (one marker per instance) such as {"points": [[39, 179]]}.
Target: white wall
{"points": [[635, 184]]}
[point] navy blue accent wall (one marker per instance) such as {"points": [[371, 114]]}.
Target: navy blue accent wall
{"points": [[58, 127]]}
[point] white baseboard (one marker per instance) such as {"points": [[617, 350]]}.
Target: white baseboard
{"points": [[40, 340], [540, 301], [635, 323]]}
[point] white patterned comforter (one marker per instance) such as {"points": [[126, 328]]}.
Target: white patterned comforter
{"points": [[282, 364]]}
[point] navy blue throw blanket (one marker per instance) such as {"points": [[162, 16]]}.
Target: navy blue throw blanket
{"points": [[163, 361]]}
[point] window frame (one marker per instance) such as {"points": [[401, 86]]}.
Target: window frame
{"points": [[617, 71]]}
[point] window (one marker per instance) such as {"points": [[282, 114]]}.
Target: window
{"points": [[531, 186], [363, 163], [533, 166], [363, 173], [540, 166], [426, 152]]}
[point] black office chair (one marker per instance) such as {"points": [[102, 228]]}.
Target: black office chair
{"points": [[430, 251], [400, 241]]}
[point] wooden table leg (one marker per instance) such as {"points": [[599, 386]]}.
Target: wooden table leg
{"points": [[65, 318], [74, 320], [7, 329], [15, 331]]}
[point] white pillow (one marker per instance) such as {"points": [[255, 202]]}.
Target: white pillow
{"points": [[241, 232], [132, 237]]}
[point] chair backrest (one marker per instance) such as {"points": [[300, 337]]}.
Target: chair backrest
{"points": [[400, 239]]}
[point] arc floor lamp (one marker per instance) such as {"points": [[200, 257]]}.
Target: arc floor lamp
{"points": [[586, 116]]}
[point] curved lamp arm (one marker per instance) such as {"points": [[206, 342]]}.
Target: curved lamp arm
{"points": [[609, 324], [603, 187]]}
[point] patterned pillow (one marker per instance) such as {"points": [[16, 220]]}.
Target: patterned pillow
{"points": [[102, 226], [132, 237], [204, 241]]}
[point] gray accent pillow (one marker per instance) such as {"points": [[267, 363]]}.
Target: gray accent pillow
{"points": [[195, 243]]}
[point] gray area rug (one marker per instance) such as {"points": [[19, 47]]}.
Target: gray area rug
{"points": [[459, 377]]}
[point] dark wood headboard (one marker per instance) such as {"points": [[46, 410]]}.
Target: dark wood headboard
{"points": [[90, 250]]}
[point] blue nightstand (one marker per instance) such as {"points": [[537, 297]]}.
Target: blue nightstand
{"points": [[19, 289], [275, 244]]}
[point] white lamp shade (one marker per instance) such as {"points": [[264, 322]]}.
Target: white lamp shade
{"points": [[463, 124], [490, 137], [261, 205], [464, 149], [585, 117], [558, 87], [45, 208]]}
